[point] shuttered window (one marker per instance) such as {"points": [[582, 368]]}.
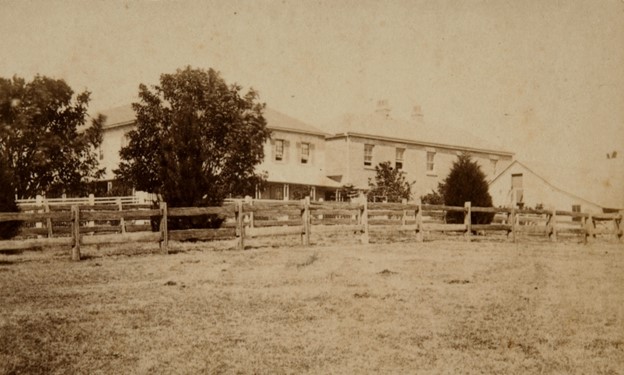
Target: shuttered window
{"points": [[399, 158], [368, 155], [305, 153], [493, 166], [430, 161], [279, 149]]}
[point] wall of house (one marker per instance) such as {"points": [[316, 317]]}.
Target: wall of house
{"points": [[337, 152], [112, 141], [354, 171], [535, 192], [291, 169]]}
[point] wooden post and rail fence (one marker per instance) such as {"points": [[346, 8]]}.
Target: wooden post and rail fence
{"points": [[79, 225]]}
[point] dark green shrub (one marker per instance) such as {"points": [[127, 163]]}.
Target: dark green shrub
{"points": [[432, 198], [466, 183]]}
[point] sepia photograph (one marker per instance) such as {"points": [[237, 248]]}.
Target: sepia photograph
{"points": [[312, 187]]}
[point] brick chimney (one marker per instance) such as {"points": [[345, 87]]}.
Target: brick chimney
{"points": [[383, 108], [417, 114]]}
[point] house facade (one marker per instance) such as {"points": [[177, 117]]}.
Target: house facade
{"points": [[424, 152], [295, 160], [302, 160]]}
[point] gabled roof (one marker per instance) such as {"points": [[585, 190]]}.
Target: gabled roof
{"points": [[279, 121], [380, 125], [596, 184], [124, 115], [118, 116]]}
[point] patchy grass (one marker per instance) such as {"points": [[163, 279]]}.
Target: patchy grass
{"points": [[433, 307], [308, 261]]}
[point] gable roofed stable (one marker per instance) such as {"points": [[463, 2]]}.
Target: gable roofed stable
{"points": [[594, 185]]}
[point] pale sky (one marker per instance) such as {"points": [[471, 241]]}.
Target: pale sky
{"points": [[542, 78]]}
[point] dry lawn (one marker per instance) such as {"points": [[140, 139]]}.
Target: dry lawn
{"points": [[433, 307]]}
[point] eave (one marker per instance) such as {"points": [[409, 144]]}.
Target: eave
{"points": [[421, 143], [299, 131]]}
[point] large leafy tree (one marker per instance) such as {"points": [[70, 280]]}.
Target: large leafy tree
{"points": [[44, 137], [197, 139], [389, 183], [8, 229], [466, 182]]}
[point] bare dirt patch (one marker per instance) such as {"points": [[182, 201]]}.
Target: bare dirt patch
{"points": [[434, 307]]}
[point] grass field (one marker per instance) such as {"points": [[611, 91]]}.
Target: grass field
{"points": [[433, 307]]}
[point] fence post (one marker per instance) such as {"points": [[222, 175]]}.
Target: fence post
{"points": [[91, 203], [553, 225], [240, 225], [305, 218], [48, 220], [38, 203], [512, 218], [249, 201], [122, 221], [75, 252], [364, 219], [616, 228], [419, 223], [164, 229], [468, 220], [588, 224], [404, 217]]}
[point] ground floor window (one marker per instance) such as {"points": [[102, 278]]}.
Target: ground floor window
{"points": [[279, 191], [110, 188]]}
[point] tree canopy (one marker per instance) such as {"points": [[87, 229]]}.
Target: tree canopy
{"points": [[390, 184], [197, 139], [466, 182], [44, 137], [8, 229]]}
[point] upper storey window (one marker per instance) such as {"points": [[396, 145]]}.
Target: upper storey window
{"points": [[305, 153], [399, 158], [279, 149], [368, 155], [430, 161]]}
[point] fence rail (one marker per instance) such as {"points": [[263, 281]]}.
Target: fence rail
{"points": [[107, 223], [88, 201]]}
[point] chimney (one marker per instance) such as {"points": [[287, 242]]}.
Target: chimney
{"points": [[417, 114], [383, 108]]}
